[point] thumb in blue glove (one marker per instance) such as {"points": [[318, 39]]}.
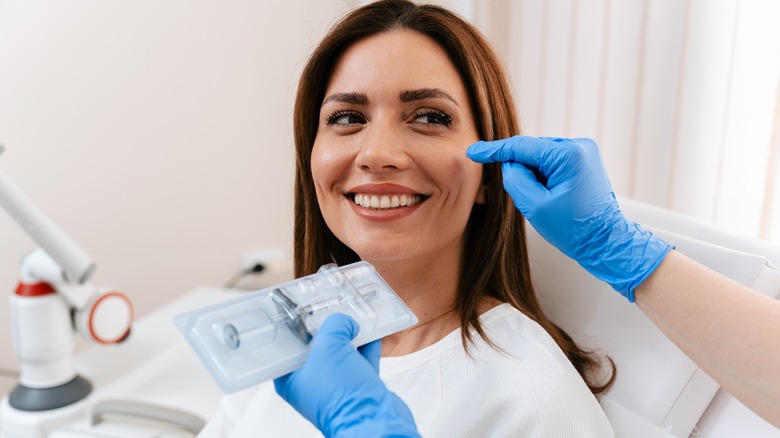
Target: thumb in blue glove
{"points": [[338, 388], [561, 186]]}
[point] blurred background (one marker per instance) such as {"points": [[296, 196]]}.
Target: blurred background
{"points": [[158, 134]]}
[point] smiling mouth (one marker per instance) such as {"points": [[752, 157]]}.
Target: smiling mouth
{"points": [[386, 202]]}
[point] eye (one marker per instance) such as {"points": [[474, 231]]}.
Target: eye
{"points": [[345, 118], [433, 117]]}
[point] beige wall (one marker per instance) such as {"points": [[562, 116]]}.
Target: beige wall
{"points": [[157, 134]]}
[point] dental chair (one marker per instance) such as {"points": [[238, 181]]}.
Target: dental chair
{"points": [[658, 391]]}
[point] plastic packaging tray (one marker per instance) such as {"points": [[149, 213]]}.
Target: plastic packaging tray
{"points": [[266, 334]]}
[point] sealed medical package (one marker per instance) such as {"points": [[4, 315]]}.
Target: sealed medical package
{"points": [[266, 334]]}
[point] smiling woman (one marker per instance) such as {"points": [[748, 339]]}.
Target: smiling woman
{"points": [[405, 137], [386, 108]]}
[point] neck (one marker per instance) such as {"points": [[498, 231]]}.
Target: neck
{"points": [[429, 288]]}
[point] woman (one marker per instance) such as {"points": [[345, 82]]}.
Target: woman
{"points": [[386, 107]]}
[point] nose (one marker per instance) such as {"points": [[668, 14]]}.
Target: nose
{"points": [[382, 149]]}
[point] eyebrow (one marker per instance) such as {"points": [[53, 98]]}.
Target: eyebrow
{"points": [[405, 96], [353, 98], [426, 93]]}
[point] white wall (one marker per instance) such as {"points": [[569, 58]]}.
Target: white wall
{"points": [[157, 134]]}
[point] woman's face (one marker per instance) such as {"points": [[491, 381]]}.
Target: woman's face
{"points": [[389, 165]]}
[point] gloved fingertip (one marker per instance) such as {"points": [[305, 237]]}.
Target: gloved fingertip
{"points": [[338, 326], [476, 146], [480, 151]]}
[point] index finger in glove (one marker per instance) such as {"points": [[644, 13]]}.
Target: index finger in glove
{"points": [[522, 149]]}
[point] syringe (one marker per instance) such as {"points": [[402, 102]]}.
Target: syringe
{"points": [[290, 313]]}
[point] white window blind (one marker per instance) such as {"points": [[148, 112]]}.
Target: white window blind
{"points": [[682, 96]]}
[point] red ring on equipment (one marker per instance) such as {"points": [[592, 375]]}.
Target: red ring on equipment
{"points": [[91, 329], [34, 289]]}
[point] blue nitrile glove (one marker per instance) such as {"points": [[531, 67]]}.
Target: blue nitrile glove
{"points": [[338, 388], [572, 205]]}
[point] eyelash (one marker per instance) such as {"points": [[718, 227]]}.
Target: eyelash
{"points": [[331, 119], [446, 119]]}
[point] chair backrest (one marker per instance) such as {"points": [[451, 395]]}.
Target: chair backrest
{"points": [[656, 382]]}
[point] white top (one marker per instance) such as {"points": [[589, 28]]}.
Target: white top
{"points": [[529, 389]]}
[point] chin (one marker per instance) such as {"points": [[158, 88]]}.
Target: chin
{"points": [[376, 255]]}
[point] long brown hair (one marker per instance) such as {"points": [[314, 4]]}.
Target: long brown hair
{"points": [[495, 262]]}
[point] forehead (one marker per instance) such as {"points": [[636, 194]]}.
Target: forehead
{"points": [[396, 60]]}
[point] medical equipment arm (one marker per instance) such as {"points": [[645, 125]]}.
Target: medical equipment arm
{"points": [[730, 330], [76, 264], [726, 328], [338, 389], [53, 298]]}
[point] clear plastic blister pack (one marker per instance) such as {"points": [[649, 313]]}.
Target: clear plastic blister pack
{"points": [[266, 334]]}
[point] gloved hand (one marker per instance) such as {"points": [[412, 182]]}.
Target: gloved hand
{"points": [[338, 388], [561, 186]]}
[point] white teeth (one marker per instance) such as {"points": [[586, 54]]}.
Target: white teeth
{"points": [[385, 202]]}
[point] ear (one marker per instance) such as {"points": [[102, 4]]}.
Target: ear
{"points": [[480, 198]]}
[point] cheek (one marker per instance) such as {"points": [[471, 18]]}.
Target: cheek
{"points": [[326, 165], [464, 174]]}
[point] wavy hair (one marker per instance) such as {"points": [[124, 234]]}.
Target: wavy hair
{"points": [[495, 260]]}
